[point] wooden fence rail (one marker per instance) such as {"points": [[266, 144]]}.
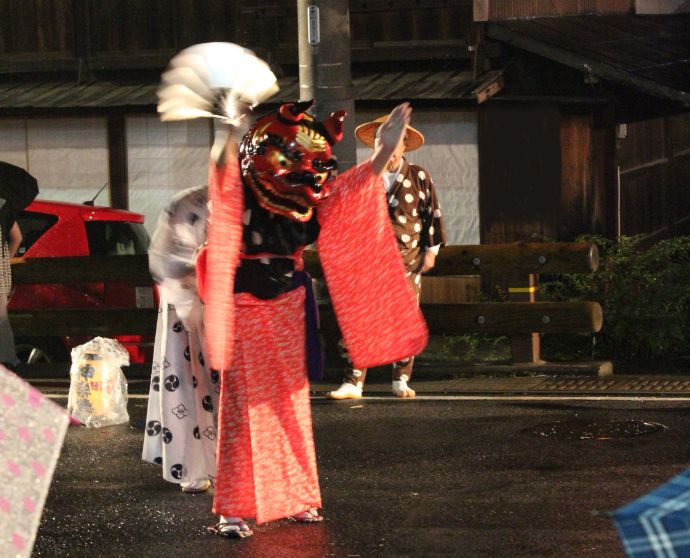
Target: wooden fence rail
{"points": [[522, 317], [92, 269], [503, 259], [500, 318]]}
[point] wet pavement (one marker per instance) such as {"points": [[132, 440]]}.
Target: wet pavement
{"points": [[444, 475]]}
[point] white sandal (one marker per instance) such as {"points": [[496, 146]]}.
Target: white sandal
{"points": [[346, 391], [401, 389], [195, 487], [231, 527], [309, 516]]}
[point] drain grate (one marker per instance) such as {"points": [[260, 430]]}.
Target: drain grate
{"points": [[609, 385]]}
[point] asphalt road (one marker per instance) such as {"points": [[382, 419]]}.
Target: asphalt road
{"points": [[418, 478]]}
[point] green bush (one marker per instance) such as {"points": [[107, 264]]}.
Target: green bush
{"points": [[476, 348], [645, 296]]}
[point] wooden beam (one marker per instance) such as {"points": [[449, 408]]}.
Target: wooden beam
{"points": [[480, 10], [45, 62], [117, 159], [93, 322], [514, 258], [443, 319], [601, 70], [82, 269], [500, 318], [489, 89], [562, 257], [524, 347], [518, 258], [582, 317]]}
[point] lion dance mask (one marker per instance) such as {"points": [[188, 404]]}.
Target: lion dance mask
{"points": [[286, 160]]}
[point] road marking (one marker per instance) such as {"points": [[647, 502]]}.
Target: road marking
{"points": [[465, 397], [489, 397]]}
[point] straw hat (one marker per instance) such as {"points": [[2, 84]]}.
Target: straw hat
{"points": [[367, 132]]}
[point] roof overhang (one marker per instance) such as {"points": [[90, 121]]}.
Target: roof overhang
{"points": [[448, 85], [650, 54]]}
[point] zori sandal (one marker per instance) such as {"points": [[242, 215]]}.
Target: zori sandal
{"points": [[231, 527], [309, 516], [195, 487]]}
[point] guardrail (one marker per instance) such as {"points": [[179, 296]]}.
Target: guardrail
{"points": [[522, 317], [517, 265]]}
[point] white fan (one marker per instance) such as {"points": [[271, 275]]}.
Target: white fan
{"points": [[214, 80]]}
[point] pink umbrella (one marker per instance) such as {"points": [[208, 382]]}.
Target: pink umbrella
{"points": [[32, 429]]}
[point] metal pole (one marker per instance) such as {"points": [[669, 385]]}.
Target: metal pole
{"points": [[323, 28]]}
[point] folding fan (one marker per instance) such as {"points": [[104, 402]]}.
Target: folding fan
{"points": [[214, 80]]}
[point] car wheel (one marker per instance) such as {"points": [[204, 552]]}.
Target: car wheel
{"points": [[37, 351]]}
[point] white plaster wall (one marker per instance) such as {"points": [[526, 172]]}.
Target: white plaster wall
{"points": [[68, 156], [164, 158]]}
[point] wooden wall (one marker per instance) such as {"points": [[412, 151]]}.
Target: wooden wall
{"points": [[405, 20], [654, 159], [576, 175], [603, 157], [147, 31], [544, 172], [98, 27], [150, 25], [36, 26], [492, 10], [587, 178], [519, 171]]}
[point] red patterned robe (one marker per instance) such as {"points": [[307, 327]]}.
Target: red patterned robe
{"points": [[266, 458]]}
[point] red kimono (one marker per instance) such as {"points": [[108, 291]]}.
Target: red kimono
{"points": [[266, 459]]}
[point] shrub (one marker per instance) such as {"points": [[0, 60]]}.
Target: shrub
{"points": [[645, 297]]}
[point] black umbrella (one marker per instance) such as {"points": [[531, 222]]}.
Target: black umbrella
{"points": [[17, 187]]}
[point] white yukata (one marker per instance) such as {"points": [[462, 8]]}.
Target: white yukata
{"points": [[182, 417]]}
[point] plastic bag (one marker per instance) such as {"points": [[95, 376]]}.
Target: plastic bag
{"points": [[98, 388]]}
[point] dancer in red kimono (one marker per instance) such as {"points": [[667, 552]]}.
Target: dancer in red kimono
{"points": [[270, 198]]}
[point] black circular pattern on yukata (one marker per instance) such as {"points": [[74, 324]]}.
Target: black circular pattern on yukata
{"points": [[153, 428], [195, 382], [167, 435], [207, 403], [177, 327], [202, 361], [197, 433], [187, 354], [172, 382], [215, 376], [158, 460], [156, 383], [176, 471]]}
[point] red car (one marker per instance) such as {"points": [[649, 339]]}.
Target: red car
{"points": [[55, 229]]}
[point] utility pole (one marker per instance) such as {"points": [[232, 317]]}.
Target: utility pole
{"points": [[323, 28]]}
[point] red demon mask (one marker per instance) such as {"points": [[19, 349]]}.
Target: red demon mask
{"points": [[285, 158]]}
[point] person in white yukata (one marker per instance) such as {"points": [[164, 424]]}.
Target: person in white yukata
{"points": [[182, 416], [418, 224]]}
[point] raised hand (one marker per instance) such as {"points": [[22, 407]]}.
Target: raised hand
{"points": [[389, 136], [392, 130]]}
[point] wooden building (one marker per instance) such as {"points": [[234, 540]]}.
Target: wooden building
{"points": [[577, 116], [591, 132]]}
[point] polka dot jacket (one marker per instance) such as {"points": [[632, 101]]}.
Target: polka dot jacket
{"points": [[415, 213]]}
